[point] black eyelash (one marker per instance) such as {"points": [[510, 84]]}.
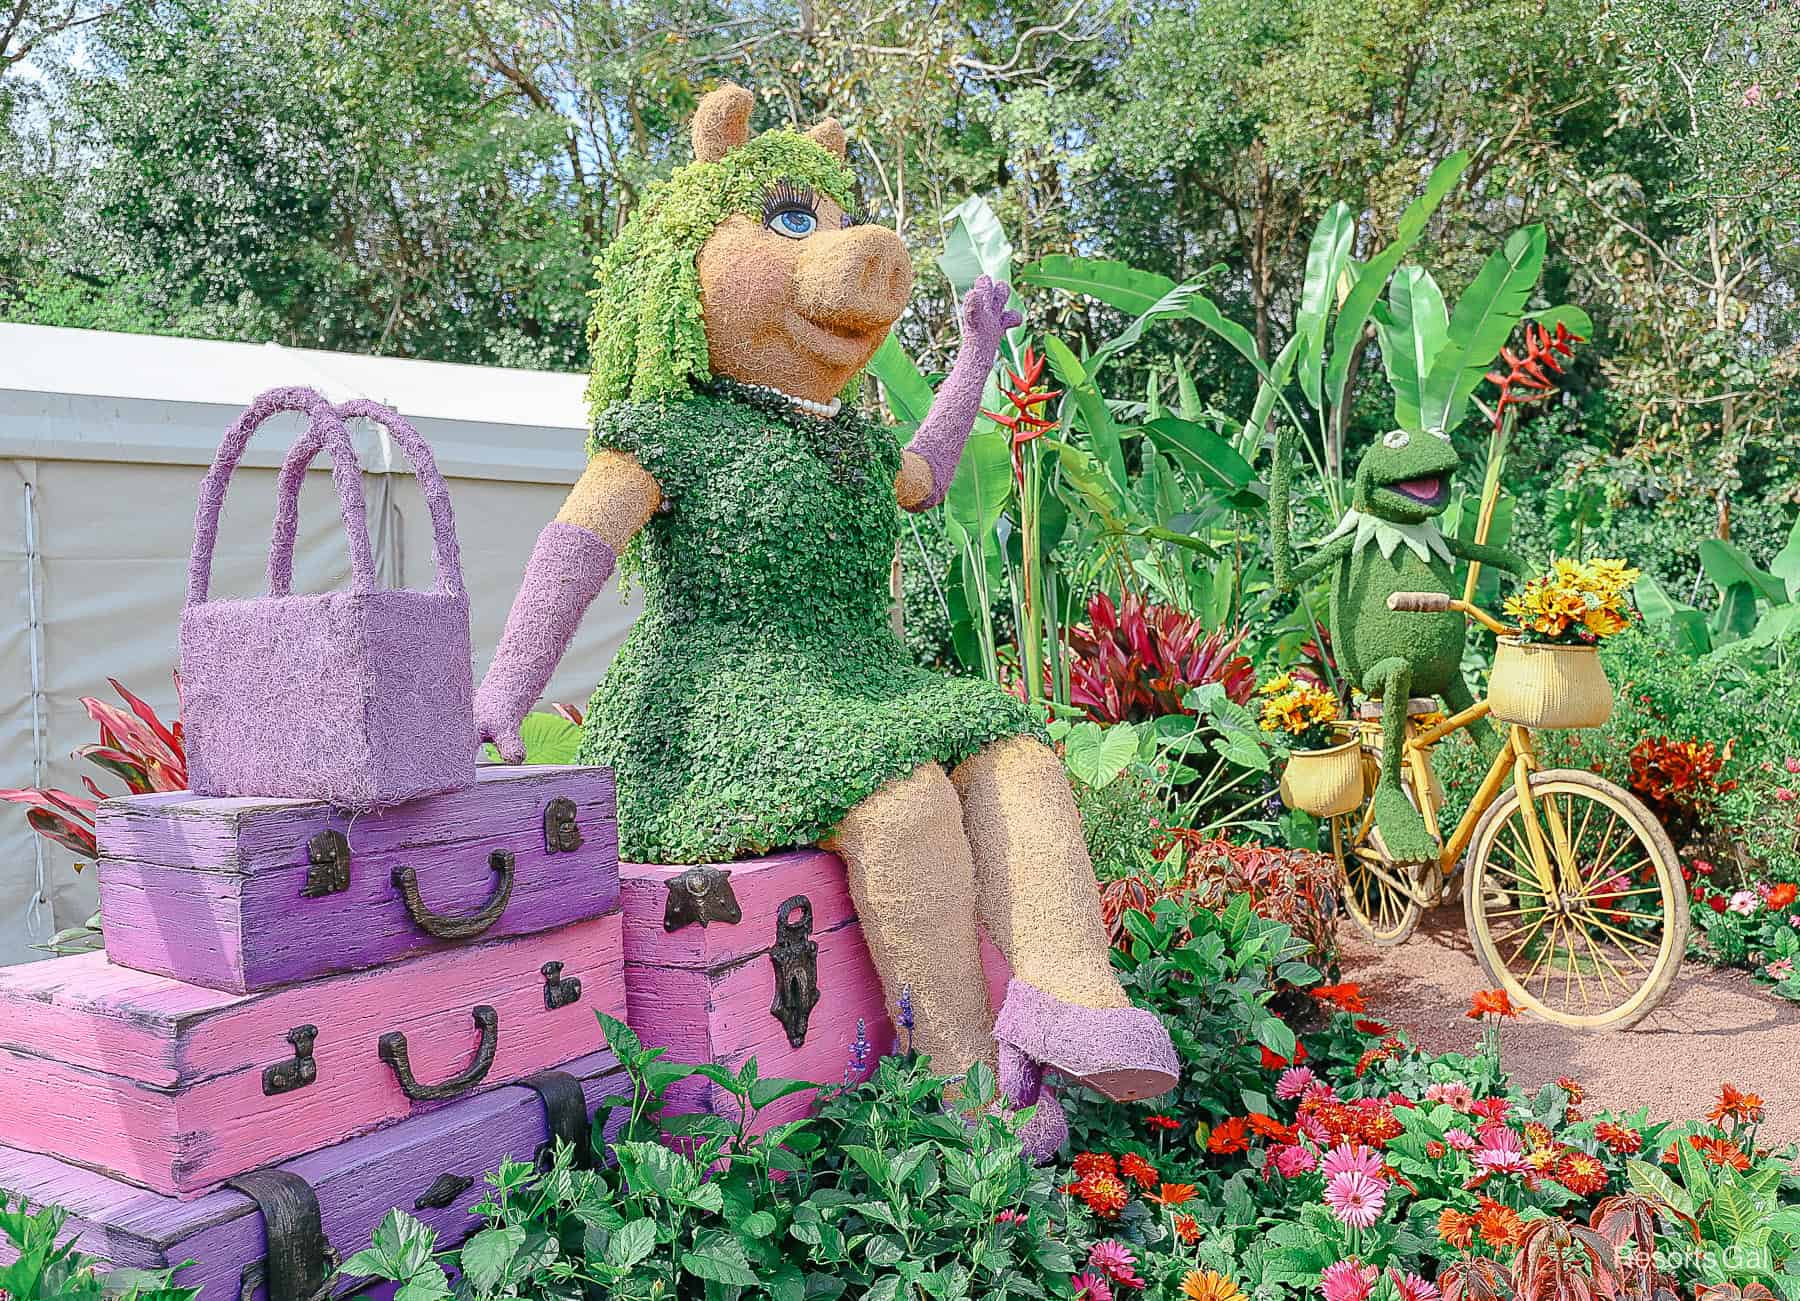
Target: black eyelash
{"points": [[785, 196], [856, 216]]}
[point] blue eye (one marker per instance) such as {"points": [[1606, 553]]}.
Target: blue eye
{"points": [[795, 223]]}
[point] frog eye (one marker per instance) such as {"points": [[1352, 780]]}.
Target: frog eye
{"points": [[1441, 433], [1396, 439]]}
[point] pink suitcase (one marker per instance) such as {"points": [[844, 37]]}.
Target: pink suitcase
{"points": [[760, 958], [178, 1088], [328, 1202], [245, 894]]}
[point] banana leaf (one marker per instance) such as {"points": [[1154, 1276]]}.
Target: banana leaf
{"points": [[1412, 331], [1486, 314]]}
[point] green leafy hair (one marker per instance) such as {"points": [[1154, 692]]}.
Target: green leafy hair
{"points": [[646, 334]]}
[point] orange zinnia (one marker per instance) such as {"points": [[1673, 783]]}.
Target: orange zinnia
{"points": [[1138, 1170], [1734, 1104], [1104, 1194], [1491, 1002], [1720, 1151]]}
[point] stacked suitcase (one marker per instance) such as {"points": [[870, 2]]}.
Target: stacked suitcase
{"points": [[304, 1018]]}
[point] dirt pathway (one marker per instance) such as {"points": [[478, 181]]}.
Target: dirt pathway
{"points": [[1713, 1026]]}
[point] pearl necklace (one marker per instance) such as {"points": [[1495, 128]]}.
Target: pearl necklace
{"points": [[823, 410]]}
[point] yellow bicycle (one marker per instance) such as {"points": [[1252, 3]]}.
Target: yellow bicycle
{"points": [[1572, 891]]}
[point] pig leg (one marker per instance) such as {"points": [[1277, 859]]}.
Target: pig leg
{"points": [[1064, 1008]]}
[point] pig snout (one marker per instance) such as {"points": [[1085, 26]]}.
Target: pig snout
{"points": [[855, 280]]}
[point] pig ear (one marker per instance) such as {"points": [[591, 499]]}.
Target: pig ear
{"points": [[828, 135], [722, 122]]}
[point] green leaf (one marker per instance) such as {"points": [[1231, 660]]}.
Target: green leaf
{"points": [[1786, 565], [718, 1257], [773, 1089], [548, 738], [1189, 407], [1096, 418], [1325, 258], [1734, 1210], [983, 484], [1199, 449], [1113, 283], [1728, 565], [908, 395], [1579, 323], [1485, 316], [1412, 333], [1274, 1034], [1648, 1181], [758, 1224], [486, 1256], [1372, 276], [631, 1245], [1736, 616], [974, 246]]}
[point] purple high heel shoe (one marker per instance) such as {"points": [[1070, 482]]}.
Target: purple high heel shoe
{"points": [[1123, 1053], [1022, 1084]]}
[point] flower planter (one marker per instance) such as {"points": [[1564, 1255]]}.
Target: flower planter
{"points": [[1324, 782], [1549, 686]]}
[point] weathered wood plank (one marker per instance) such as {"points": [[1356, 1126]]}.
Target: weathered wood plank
{"points": [[161, 1083], [356, 1182], [209, 891]]}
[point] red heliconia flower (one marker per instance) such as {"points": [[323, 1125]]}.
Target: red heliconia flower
{"points": [[1532, 371], [1025, 420]]}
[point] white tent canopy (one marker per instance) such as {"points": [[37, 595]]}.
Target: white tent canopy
{"points": [[103, 441]]}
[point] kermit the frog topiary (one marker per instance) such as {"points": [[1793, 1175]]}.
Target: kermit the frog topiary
{"points": [[1387, 542]]}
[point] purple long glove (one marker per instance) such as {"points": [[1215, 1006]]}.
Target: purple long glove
{"points": [[946, 426], [568, 568]]}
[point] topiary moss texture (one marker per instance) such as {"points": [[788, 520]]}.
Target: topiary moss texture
{"points": [[763, 694]]}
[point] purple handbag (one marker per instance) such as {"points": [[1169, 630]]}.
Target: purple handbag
{"points": [[363, 698]]}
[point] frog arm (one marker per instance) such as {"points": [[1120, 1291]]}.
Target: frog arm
{"points": [[1326, 557], [574, 557], [1497, 557]]}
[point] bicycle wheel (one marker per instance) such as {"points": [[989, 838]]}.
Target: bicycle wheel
{"points": [[1606, 954], [1379, 894]]}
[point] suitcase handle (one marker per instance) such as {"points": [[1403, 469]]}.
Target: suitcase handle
{"points": [[446, 554], [392, 1048], [327, 429], [444, 927]]}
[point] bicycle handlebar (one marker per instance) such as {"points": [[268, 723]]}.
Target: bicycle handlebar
{"points": [[1420, 602]]}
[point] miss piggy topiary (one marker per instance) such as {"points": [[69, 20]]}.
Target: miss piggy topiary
{"points": [[762, 699]]}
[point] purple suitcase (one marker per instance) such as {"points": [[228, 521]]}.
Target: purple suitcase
{"points": [[246, 894], [430, 1166]]}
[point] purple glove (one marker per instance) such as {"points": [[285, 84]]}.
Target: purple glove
{"points": [[946, 426], [568, 568]]}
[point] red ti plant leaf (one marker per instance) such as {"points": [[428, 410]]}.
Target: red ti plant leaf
{"points": [[148, 715], [70, 835], [119, 730], [1137, 660]]}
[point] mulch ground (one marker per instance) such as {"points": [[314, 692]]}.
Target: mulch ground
{"points": [[1712, 1026]]}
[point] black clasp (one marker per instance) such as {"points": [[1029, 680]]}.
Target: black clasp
{"points": [[327, 865], [701, 894], [442, 927], [559, 990], [446, 1188], [561, 834], [392, 1049], [796, 961], [285, 1077]]}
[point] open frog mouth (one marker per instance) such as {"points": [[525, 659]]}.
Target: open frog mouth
{"points": [[1426, 491]]}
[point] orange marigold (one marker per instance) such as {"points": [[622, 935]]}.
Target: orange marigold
{"points": [[1734, 1104], [1104, 1194], [1456, 1227], [1228, 1136], [1491, 1002], [1618, 1138], [1138, 1170], [1581, 1172], [1346, 997]]}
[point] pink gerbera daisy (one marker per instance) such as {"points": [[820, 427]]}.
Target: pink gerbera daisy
{"points": [[1456, 1093], [1461, 1139], [1347, 1280], [1090, 1287], [1502, 1151], [1347, 1157], [1115, 1260], [1355, 1198], [1413, 1288], [1294, 1161], [1294, 1082]]}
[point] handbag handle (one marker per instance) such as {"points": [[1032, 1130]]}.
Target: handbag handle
{"points": [[437, 497], [325, 429]]}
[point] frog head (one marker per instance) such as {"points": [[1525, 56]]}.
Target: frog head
{"points": [[1405, 477]]}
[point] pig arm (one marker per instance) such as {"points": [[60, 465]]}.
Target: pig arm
{"points": [[574, 556], [929, 462]]}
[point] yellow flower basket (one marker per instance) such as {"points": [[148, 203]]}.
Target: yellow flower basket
{"points": [[1541, 685], [1324, 782]]}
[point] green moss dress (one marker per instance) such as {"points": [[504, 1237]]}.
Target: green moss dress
{"points": [[763, 694]]}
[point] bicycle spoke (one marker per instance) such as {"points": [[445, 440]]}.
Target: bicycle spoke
{"points": [[1520, 946], [1600, 955]]}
